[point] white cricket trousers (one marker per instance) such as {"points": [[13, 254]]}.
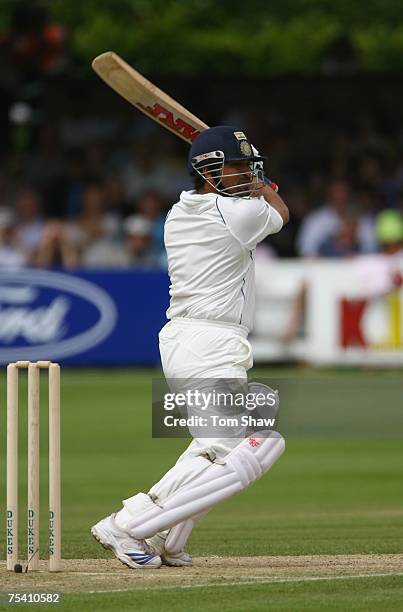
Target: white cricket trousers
{"points": [[195, 349]]}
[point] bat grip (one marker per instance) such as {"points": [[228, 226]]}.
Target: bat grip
{"points": [[271, 184]]}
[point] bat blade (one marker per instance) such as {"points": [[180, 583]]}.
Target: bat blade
{"points": [[145, 96]]}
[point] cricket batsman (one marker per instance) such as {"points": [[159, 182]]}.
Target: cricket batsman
{"points": [[210, 237]]}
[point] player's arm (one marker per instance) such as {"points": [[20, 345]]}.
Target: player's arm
{"points": [[249, 220], [274, 200]]}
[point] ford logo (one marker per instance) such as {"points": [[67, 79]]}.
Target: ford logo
{"points": [[50, 315]]}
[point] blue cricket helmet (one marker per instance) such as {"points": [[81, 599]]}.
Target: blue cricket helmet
{"points": [[229, 140]]}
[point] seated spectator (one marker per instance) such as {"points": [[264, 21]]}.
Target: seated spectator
{"points": [[138, 231], [369, 202], [389, 232], [65, 243], [104, 253], [94, 231], [11, 253], [325, 222], [91, 222], [344, 243], [136, 249], [150, 206], [115, 197], [30, 221], [57, 247]]}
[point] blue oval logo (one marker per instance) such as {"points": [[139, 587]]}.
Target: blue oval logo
{"points": [[49, 315]]}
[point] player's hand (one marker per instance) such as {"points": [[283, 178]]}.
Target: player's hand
{"points": [[266, 183], [271, 184]]}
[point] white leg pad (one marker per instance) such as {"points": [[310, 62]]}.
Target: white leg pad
{"points": [[131, 506], [178, 535], [243, 466], [180, 475]]}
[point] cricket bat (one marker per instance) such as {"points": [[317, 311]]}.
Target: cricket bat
{"points": [[150, 100], [145, 96]]}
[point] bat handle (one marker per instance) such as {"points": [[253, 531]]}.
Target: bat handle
{"points": [[271, 184]]}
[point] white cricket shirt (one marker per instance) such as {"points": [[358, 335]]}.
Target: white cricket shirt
{"points": [[210, 242]]}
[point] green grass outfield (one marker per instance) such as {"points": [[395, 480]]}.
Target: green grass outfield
{"points": [[336, 490], [358, 595]]}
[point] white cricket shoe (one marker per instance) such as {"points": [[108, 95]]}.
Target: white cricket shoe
{"points": [[157, 545], [131, 552], [181, 559]]}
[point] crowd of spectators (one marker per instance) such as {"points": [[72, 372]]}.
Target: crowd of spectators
{"points": [[85, 181], [84, 195], [96, 236], [68, 203]]}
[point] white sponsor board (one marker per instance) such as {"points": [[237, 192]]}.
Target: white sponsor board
{"points": [[330, 311]]}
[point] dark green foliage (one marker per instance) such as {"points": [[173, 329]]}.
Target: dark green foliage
{"points": [[221, 37]]}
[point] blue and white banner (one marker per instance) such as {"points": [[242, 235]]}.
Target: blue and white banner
{"points": [[82, 318]]}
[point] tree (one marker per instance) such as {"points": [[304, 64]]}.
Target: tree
{"points": [[226, 37]]}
